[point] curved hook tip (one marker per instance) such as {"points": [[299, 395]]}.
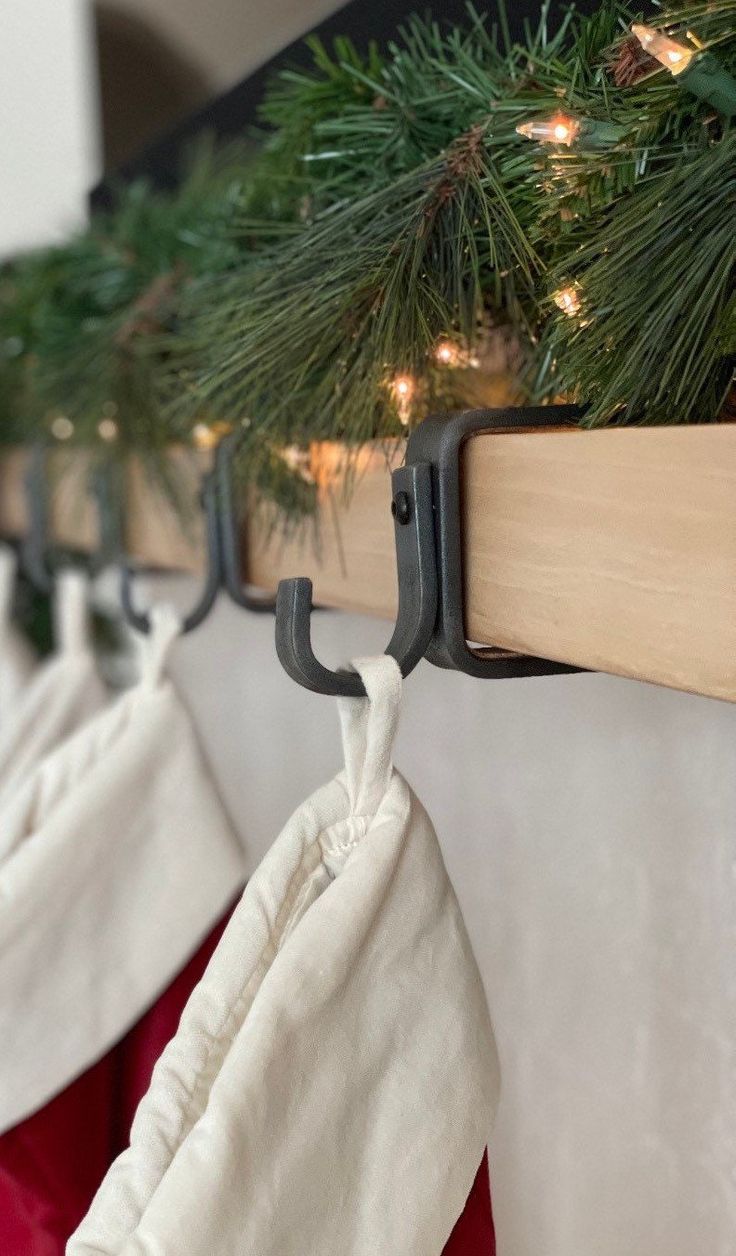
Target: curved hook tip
{"points": [[140, 620], [294, 643]]}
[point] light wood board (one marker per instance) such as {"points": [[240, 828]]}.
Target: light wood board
{"points": [[613, 550]]}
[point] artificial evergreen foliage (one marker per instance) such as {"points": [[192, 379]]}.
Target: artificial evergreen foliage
{"points": [[82, 324], [392, 207]]}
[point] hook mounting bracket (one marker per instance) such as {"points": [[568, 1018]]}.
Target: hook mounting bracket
{"points": [[439, 441]]}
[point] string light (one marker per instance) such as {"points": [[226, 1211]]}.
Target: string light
{"points": [[696, 69], [447, 353], [559, 129], [209, 435], [665, 50], [568, 300], [403, 388], [62, 428], [107, 429], [202, 436], [299, 459], [564, 130], [450, 353]]}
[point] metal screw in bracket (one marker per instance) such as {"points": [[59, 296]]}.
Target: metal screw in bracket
{"points": [[401, 507]]}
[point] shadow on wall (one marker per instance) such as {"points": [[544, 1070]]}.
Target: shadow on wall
{"points": [[146, 83]]}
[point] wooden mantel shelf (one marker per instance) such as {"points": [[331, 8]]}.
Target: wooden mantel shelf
{"points": [[614, 550]]}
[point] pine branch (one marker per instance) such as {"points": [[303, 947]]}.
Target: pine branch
{"points": [[654, 340], [83, 320], [392, 204], [311, 335]]}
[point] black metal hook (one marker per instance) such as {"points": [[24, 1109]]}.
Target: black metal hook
{"points": [[427, 494], [35, 545], [141, 620], [230, 531], [33, 548], [418, 594], [106, 489], [222, 548]]}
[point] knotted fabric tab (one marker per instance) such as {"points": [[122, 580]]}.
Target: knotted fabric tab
{"points": [[71, 612], [16, 658], [7, 583], [156, 645], [368, 731], [64, 693]]}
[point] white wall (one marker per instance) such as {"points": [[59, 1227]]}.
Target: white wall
{"points": [[48, 130], [49, 135]]}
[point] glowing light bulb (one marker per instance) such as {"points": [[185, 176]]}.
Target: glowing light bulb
{"points": [[209, 435], [62, 428], [559, 129], [299, 459], [676, 57], [568, 300], [203, 436], [450, 353], [403, 388], [107, 429], [447, 353]]}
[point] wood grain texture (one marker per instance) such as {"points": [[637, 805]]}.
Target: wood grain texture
{"points": [[348, 552], [613, 550]]}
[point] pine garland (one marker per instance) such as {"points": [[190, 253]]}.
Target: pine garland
{"points": [[392, 226], [81, 324], [655, 333]]}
